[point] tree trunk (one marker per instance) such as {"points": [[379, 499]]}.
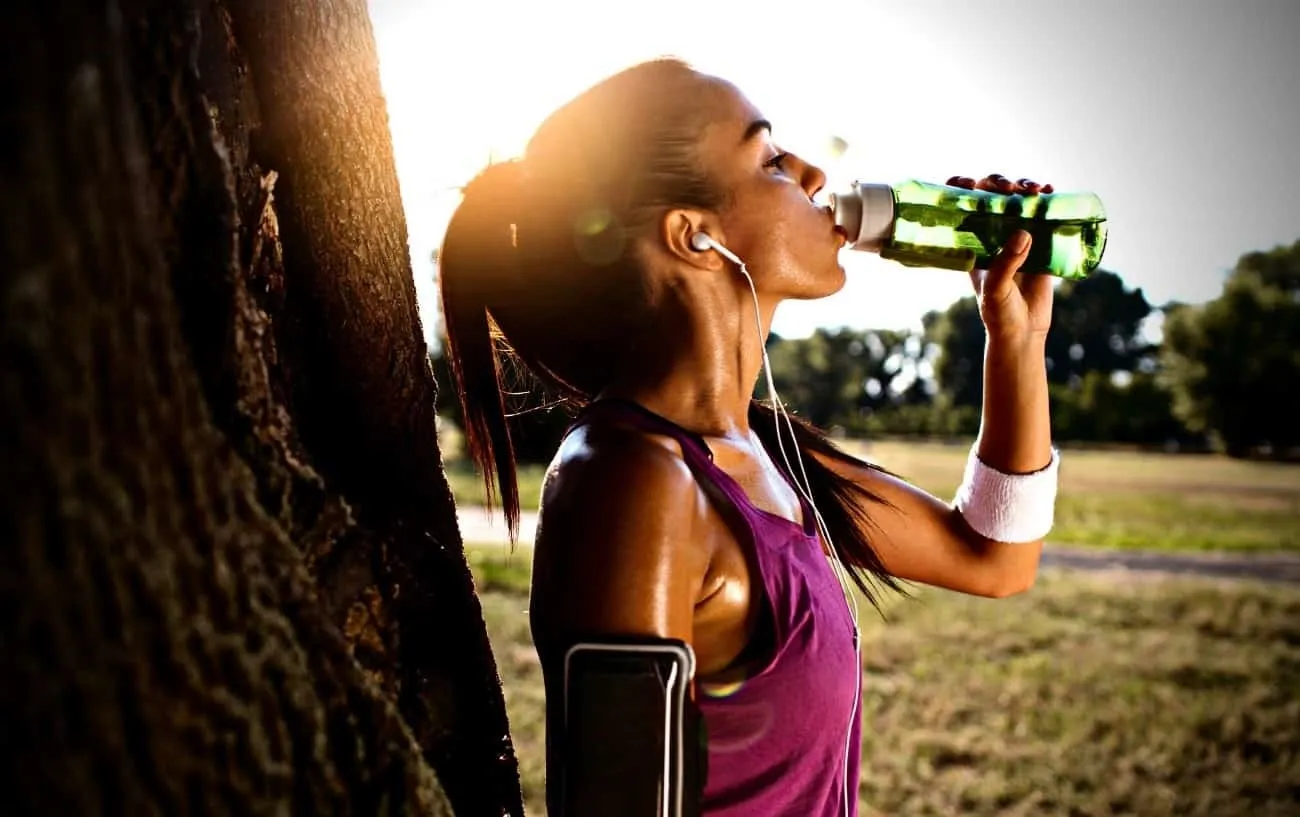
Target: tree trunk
{"points": [[232, 580]]}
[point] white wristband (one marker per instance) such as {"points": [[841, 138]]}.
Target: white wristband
{"points": [[1008, 507]]}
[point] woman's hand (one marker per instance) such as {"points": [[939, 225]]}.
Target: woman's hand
{"points": [[1016, 308], [998, 183]]}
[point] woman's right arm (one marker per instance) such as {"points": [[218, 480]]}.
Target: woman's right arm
{"points": [[618, 552]]}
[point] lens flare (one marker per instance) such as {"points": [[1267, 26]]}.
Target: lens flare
{"points": [[598, 237], [721, 689]]}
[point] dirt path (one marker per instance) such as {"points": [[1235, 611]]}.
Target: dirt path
{"points": [[477, 525]]}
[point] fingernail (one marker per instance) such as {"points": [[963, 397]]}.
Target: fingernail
{"points": [[1019, 241]]}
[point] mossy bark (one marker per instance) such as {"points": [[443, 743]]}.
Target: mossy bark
{"points": [[231, 579]]}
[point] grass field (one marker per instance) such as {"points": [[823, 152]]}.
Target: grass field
{"points": [[1097, 695], [1108, 499]]}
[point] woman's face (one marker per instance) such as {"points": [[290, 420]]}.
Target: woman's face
{"points": [[789, 244]]}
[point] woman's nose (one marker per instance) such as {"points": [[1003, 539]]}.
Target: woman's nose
{"points": [[814, 179]]}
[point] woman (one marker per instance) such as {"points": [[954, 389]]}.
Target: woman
{"points": [[665, 512]]}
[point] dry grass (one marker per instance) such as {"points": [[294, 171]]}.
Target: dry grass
{"points": [[1086, 696]]}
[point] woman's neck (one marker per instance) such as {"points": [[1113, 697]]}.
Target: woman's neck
{"points": [[697, 366]]}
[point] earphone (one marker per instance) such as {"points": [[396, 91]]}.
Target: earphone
{"points": [[703, 242]]}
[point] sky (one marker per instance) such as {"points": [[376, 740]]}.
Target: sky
{"points": [[1184, 117]]}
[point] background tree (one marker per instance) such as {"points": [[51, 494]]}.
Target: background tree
{"points": [[823, 375], [1101, 408], [840, 377], [958, 332], [1096, 327], [232, 580], [1233, 363], [1097, 359]]}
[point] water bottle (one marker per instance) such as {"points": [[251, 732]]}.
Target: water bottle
{"points": [[919, 224]]}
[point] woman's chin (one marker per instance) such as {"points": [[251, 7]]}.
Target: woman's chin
{"points": [[815, 294], [832, 282], [812, 285]]}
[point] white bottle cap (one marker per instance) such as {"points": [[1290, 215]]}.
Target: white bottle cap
{"points": [[866, 214]]}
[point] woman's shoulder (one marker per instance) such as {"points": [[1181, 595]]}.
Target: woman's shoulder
{"points": [[619, 537], [617, 464]]}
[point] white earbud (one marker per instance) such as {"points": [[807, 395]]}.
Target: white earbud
{"points": [[703, 242]]}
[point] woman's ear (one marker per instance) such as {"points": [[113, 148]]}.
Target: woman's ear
{"points": [[676, 229]]}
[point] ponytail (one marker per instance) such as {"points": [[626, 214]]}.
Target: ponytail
{"points": [[841, 502], [478, 253]]}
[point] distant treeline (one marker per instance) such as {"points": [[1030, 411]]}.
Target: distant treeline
{"points": [[1225, 375]]}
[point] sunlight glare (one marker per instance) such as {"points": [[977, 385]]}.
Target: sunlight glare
{"points": [[466, 84]]}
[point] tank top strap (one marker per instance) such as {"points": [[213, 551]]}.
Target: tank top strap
{"points": [[694, 448], [699, 458]]}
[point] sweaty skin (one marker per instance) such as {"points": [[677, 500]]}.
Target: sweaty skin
{"points": [[628, 542]]}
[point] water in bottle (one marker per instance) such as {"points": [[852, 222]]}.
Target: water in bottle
{"points": [[921, 224]]}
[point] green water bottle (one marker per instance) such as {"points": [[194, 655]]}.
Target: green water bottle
{"points": [[920, 224]]}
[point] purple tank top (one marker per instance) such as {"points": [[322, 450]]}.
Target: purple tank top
{"points": [[776, 741]]}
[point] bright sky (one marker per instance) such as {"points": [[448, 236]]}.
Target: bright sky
{"points": [[1184, 117]]}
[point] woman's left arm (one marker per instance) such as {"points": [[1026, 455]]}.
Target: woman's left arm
{"points": [[924, 539]]}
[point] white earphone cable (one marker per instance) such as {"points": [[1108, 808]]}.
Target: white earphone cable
{"points": [[805, 488]]}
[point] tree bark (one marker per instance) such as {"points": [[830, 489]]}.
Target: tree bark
{"points": [[232, 580]]}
